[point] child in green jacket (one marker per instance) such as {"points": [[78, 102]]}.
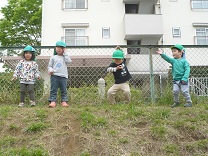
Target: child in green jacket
{"points": [[180, 74]]}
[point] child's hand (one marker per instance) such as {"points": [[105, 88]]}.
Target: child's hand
{"points": [[64, 50], [119, 67], [50, 73], [159, 51], [183, 82]]}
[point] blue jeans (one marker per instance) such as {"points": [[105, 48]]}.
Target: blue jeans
{"points": [[58, 82]]}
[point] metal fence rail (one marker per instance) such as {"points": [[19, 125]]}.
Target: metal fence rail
{"points": [[151, 74], [199, 85]]}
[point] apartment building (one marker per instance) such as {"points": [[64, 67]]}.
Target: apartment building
{"points": [[125, 22]]}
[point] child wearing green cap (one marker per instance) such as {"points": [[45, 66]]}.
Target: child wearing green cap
{"points": [[121, 76], [57, 69], [180, 74], [27, 71]]}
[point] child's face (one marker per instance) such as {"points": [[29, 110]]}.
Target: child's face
{"points": [[117, 61], [27, 55], [176, 53], [60, 50]]}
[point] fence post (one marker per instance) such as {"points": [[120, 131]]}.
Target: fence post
{"points": [[101, 88], [152, 90]]}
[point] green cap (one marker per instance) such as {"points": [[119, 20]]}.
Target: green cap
{"points": [[29, 48], [61, 44], [178, 46], [118, 54]]}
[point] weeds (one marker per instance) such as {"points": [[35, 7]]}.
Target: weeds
{"points": [[7, 141], [6, 111], [89, 120], [35, 127], [158, 132], [171, 149], [24, 151], [41, 114], [90, 127], [13, 127]]}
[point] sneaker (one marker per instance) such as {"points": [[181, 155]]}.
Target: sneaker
{"points": [[21, 104], [32, 103], [52, 104], [175, 104], [64, 104], [188, 105]]}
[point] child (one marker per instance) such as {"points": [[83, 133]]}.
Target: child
{"points": [[57, 69], [180, 73], [121, 76], [27, 71]]}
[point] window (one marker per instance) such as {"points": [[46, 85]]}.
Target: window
{"points": [[131, 8], [176, 32], [199, 4], [75, 4], [75, 37], [106, 32], [201, 36], [133, 50]]}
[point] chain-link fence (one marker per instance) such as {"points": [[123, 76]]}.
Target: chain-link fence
{"points": [[151, 75]]}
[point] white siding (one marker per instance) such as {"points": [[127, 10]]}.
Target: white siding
{"points": [[180, 14], [98, 15]]}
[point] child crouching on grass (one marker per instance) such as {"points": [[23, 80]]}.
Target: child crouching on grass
{"points": [[180, 74], [121, 76], [27, 71]]}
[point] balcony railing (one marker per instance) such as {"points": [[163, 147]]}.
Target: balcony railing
{"points": [[76, 40], [138, 26]]}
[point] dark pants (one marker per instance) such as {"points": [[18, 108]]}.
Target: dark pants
{"points": [[23, 89], [58, 82]]}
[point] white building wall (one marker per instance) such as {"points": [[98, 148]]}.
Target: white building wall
{"points": [[180, 14], [99, 14], [110, 14]]}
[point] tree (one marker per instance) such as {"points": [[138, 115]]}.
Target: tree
{"points": [[21, 24]]}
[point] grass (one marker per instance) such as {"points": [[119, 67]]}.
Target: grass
{"points": [[103, 129]]}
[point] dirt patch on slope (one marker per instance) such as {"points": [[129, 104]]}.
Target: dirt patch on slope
{"points": [[62, 138]]}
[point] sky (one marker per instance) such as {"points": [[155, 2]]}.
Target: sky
{"points": [[2, 4]]}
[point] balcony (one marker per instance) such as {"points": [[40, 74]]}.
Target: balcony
{"points": [[138, 26]]}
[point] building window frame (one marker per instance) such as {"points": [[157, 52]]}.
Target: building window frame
{"points": [[75, 4], [131, 8], [199, 4], [201, 37], [176, 32], [75, 36], [105, 32]]}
